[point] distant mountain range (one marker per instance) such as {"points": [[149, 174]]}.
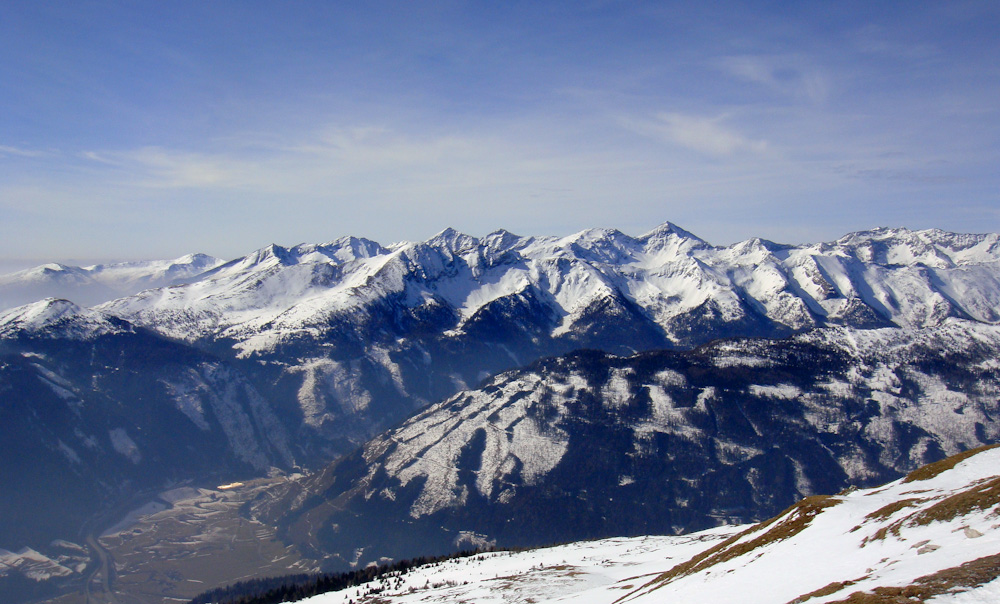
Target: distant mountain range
{"points": [[98, 283], [651, 383]]}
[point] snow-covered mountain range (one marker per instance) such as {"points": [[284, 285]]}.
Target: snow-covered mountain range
{"points": [[721, 383], [669, 280], [349, 337], [933, 536], [89, 285], [359, 335]]}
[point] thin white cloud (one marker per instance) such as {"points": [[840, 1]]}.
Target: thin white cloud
{"points": [[157, 167], [289, 166], [369, 158], [19, 152], [874, 40], [706, 135], [792, 76]]}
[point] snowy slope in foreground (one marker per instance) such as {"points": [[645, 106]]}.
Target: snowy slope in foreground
{"points": [[933, 536], [576, 570]]}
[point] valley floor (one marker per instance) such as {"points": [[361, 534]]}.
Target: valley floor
{"points": [[178, 545]]}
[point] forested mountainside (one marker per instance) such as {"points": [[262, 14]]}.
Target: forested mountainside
{"points": [[591, 445]]}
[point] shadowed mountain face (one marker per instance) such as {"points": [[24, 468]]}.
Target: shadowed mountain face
{"points": [[590, 445], [95, 410]]}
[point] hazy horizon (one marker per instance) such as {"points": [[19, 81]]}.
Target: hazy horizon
{"points": [[152, 131]]}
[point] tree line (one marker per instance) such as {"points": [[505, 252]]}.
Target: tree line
{"points": [[291, 588]]}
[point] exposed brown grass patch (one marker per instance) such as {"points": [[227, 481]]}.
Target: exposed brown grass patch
{"points": [[826, 590], [885, 512], [982, 496], [931, 470], [783, 526], [882, 533], [950, 580]]}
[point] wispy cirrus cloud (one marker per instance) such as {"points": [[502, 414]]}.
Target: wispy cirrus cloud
{"points": [[874, 40], [159, 167], [332, 156], [706, 135], [789, 75], [19, 152]]}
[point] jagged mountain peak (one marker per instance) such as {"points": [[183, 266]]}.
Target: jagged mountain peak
{"points": [[606, 246], [600, 236], [672, 284], [501, 239], [282, 254], [269, 257], [756, 248], [934, 248]]}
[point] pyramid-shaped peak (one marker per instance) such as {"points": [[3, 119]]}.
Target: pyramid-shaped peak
{"points": [[600, 238], [452, 240], [275, 251], [600, 233], [758, 244], [501, 239], [668, 229], [502, 233], [349, 248]]}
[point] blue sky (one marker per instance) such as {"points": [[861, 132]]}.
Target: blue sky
{"points": [[153, 129]]}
